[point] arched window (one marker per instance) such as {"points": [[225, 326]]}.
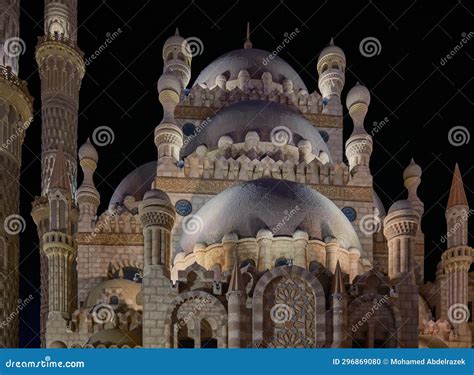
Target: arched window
{"points": [[181, 57], [325, 67], [207, 341], [169, 56], [114, 300], [335, 65], [184, 341]]}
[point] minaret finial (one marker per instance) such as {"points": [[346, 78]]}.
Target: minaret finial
{"points": [[331, 42], [248, 43], [176, 33]]}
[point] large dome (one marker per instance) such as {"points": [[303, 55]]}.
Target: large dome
{"points": [[278, 205], [255, 61], [261, 116]]}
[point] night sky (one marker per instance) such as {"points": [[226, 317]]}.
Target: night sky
{"points": [[422, 96]]}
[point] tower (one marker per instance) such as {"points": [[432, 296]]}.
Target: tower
{"points": [[88, 198], [157, 216], [61, 68], [15, 116], [399, 228], [176, 75], [58, 245], [359, 144], [331, 68], [457, 259]]}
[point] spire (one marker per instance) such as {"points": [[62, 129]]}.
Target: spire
{"points": [[59, 176], [248, 43], [236, 282], [331, 43], [337, 281], [176, 33], [457, 195]]}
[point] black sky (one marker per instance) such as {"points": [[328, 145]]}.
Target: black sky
{"points": [[422, 99]]}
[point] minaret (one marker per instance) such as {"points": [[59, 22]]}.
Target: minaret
{"points": [[457, 259], [88, 198], [400, 227], [339, 309], [59, 245], [359, 144], [61, 67], [176, 75], [16, 113], [236, 303], [331, 69], [411, 180], [157, 216]]}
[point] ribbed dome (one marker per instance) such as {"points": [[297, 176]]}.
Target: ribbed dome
{"points": [[281, 206], [239, 119], [136, 183], [252, 60]]}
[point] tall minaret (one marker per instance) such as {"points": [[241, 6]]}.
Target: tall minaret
{"points": [[176, 75], [61, 67], [15, 116], [457, 259]]}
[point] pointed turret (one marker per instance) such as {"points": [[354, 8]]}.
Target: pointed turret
{"points": [[337, 280], [59, 176], [457, 195], [236, 282]]}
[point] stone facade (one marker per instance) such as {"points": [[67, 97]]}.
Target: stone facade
{"points": [[249, 231]]}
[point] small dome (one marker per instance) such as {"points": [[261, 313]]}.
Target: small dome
{"points": [[412, 170], [332, 49], [157, 194], [280, 206], [378, 205], [402, 204], [128, 289], [169, 81], [255, 62], [176, 39], [88, 151], [358, 94]]}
